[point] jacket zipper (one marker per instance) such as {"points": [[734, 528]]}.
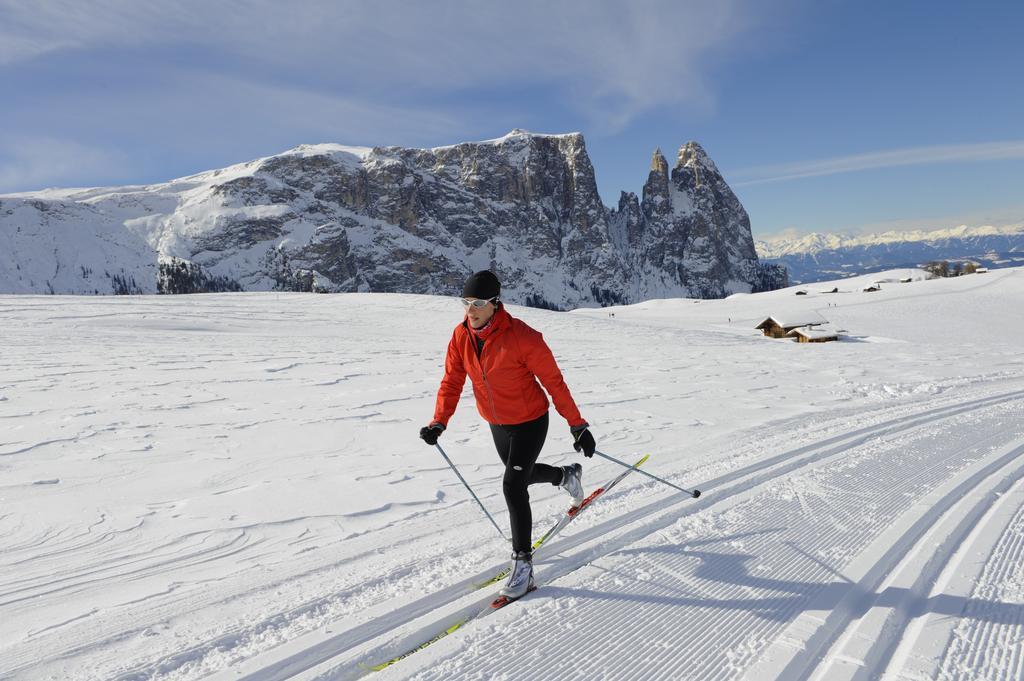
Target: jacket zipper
{"points": [[487, 384], [490, 396]]}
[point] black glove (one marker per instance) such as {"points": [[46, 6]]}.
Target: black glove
{"points": [[429, 434], [583, 440]]}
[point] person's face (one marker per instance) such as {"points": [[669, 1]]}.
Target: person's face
{"points": [[478, 316]]}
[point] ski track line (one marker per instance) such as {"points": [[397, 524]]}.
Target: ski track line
{"points": [[979, 642], [725, 487], [602, 530], [863, 634], [985, 641], [732, 616], [917, 574], [231, 638]]}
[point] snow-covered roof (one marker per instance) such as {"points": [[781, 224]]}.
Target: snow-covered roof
{"points": [[815, 333], [793, 322]]}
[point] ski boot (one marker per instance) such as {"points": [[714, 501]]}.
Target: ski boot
{"points": [[572, 482], [521, 579]]}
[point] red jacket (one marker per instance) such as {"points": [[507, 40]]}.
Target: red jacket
{"points": [[505, 375]]}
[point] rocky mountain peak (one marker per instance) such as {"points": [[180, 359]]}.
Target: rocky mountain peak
{"points": [[658, 163], [657, 202], [332, 218], [691, 154]]}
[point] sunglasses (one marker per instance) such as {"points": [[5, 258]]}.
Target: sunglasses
{"points": [[479, 302]]}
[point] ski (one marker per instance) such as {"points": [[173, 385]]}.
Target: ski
{"points": [[399, 658], [567, 518], [575, 511], [496, 604], [502, 601]]}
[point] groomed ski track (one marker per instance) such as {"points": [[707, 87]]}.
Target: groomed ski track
{"points": [[260, 508], [718, 588]]}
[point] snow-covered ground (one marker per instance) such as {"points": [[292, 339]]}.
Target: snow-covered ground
{"points": [[232, 486]]}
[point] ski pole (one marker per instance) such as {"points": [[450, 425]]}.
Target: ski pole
{"points": [[693, 493], [470, 491]]}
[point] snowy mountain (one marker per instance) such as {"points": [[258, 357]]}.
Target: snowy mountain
{"points": [[391, 219], [817, 257], [689, 235], [231, 487]]}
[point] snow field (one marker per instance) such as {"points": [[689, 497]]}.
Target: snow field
{"points": [[740, 574], [989, 641], [967, 577], [231, 486]]}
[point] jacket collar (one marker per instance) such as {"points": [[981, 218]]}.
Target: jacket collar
{"points": [[498, 322]]}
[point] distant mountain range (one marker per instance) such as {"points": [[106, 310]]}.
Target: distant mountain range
{"points": [[821, 257], [391, 219]]}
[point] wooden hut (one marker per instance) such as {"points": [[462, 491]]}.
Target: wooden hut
{"points": [[810, 334], [774, 327]]}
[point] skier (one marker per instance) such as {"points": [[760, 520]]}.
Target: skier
{"points": [[505, 358]]}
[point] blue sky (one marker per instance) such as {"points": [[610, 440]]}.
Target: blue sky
{"points": [[823, 115]]}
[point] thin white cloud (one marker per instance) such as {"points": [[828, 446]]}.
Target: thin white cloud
{"points": [[989, 151], [208, 106], [30, 28], [220, 82], [210, 116], [612, 60]]}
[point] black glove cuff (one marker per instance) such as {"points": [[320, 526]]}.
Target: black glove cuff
{"points": [[576, 430]]}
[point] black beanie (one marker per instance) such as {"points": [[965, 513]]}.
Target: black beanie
{"points": [[483, 284]]}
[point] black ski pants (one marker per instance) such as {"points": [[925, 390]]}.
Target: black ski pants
{"points": [[519, 446]]}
